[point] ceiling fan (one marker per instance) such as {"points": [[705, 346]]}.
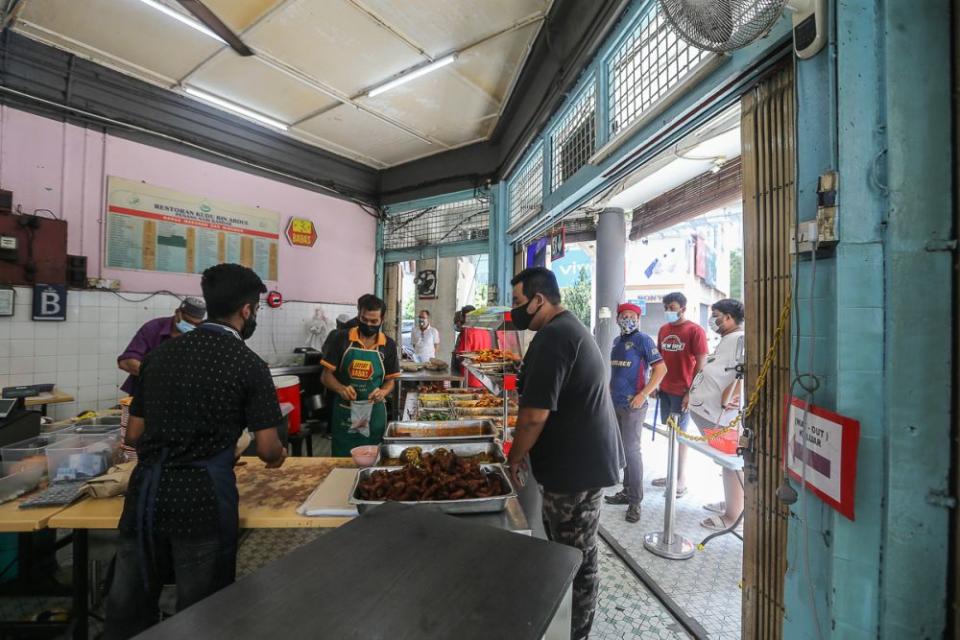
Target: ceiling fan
{"points": [[203, 13]]}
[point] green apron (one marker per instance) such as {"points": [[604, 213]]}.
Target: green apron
{"points": [[363, 370]]}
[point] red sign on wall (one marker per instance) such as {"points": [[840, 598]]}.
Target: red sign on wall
{"points": [[301, 232]]}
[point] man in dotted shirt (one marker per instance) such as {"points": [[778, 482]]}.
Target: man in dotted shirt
{"points": [[195, 396]]}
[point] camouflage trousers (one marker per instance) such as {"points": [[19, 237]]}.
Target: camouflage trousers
{"points": [[572, 519]]}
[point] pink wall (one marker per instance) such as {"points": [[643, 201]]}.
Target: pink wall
{"points": [[53, 165]]}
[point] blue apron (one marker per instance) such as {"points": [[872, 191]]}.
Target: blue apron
{"points": [[220, 469]]}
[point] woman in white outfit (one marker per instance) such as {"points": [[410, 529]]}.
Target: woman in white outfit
{"points": [[715, 402]]}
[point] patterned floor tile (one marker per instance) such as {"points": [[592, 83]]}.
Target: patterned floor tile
{"points": [[706, 587]]}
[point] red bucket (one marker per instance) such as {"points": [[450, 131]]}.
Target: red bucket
{"points": [[288, 390]]}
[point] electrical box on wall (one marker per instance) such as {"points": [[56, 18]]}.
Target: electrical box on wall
{"points": [[822, 232], [32, 249]]}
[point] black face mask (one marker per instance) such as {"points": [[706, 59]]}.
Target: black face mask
{"points": [[249, 326], [521, 317], [367, 330]]}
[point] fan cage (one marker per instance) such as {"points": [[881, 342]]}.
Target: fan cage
{"points": [[460, 221]]}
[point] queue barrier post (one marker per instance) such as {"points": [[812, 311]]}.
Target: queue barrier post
{"points": [[667, 543]]}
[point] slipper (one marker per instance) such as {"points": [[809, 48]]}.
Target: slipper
{"points": [[659, 482], [716, 507], [680, 492], [714, 523]]}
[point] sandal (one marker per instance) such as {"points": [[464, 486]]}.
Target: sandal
{"points": [[715, 523], [716, 507], [659, 482], [682, 491]]}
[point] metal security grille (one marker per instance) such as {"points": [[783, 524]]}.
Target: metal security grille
{"points": [[525, 190], [441, 224], [574, 139], [645, 67]]}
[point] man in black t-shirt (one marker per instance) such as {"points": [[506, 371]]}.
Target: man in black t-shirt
{"points": [[195, 396], [568, 426]]}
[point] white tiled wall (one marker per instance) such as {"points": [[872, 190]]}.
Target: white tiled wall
{"points": [[80, 354]]}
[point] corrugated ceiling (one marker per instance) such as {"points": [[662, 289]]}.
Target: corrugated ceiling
{"points": [[316, 59]]}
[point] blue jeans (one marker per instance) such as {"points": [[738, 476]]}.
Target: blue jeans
{"points": [[673, 404], [200, 569]]}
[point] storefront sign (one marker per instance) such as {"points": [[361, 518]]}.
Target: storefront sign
{"points": [[157, 229], [824, 445], [49, 302], [301, 232]]}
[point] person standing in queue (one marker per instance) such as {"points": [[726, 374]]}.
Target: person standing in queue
{"points": [[683, 346], [195, 396], [361, 364], [568, 427], [636, 370], [715, 398], [425, 338], [153, 333]]}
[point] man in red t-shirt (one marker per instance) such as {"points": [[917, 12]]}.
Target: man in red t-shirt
{"points": [[683, 346]]}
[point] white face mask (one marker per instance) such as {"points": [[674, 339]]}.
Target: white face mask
{"points": [[715, 324]]}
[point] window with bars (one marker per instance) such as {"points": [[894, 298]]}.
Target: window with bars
{"points": [[441, 224], [574, 139], [650, 62], [525, 190]]}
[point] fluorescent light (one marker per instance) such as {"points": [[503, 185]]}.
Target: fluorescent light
{"points": [[176, 15], [236, 108], [410, 75]]}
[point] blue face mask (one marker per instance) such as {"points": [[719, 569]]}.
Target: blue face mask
{"points": [[185, 327], [672, 316], [627, 326]]}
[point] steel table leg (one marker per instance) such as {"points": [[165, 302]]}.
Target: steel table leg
{"points": [[81, 597]]}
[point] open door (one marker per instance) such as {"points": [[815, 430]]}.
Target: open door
{"points": [[769, 176]]}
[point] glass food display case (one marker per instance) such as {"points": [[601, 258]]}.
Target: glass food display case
{"points": [[492, 351]]}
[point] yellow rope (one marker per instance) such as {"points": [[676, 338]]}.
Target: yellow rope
{"points": [[761, 383]]}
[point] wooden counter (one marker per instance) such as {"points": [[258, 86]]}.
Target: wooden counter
{"points": [[14, 519], [268, 498]]}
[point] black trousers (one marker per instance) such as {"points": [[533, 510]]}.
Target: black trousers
{"points": [[200, 566]]}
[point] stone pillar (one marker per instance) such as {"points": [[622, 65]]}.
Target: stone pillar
{"points": [[610, 274]]}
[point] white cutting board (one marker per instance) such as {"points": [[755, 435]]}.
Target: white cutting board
{"points": [[330, 497]]}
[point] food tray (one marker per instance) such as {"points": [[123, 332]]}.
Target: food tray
{"points": [[487, 431], [460, 449], [474, 413], [467, 505]]}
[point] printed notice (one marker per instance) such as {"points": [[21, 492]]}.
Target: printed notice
{"points": [[156, 229]]}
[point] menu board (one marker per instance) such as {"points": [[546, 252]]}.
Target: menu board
{"points": [[156, 229]]}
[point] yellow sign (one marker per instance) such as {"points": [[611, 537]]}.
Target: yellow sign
{"points": [[301, 232], [361, 370]]}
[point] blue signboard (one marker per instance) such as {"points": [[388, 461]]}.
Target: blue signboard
{"points": [[49, 302], [567, 269]]}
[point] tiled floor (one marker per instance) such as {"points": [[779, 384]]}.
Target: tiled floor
{"points": [[705, 587]]}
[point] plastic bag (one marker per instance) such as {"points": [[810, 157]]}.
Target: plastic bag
{"points": [[360, 413]]}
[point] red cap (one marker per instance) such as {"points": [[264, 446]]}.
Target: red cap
{"points": [[629, 306]]}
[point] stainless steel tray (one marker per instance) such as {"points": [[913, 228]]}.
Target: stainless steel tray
{"points": [[394, 449], [487, 431], [468, 505]]}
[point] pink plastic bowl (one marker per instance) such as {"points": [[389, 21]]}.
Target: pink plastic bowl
{"points": [[366, 455]]}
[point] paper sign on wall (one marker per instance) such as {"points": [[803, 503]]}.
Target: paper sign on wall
{"points": [[156, 229], [824, 444], [301, 232]]}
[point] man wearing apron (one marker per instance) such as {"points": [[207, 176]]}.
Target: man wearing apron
{"points": [[361, 365], [194, 398]]}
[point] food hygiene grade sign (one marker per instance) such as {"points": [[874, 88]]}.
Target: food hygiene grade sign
{"points": [[152, 228], [826, 443]]}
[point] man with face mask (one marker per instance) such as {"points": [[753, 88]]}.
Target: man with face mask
{"points": [[636, 370], [194, 398], [426, 339], [360, 365], [568, 427], [186, 318]]}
